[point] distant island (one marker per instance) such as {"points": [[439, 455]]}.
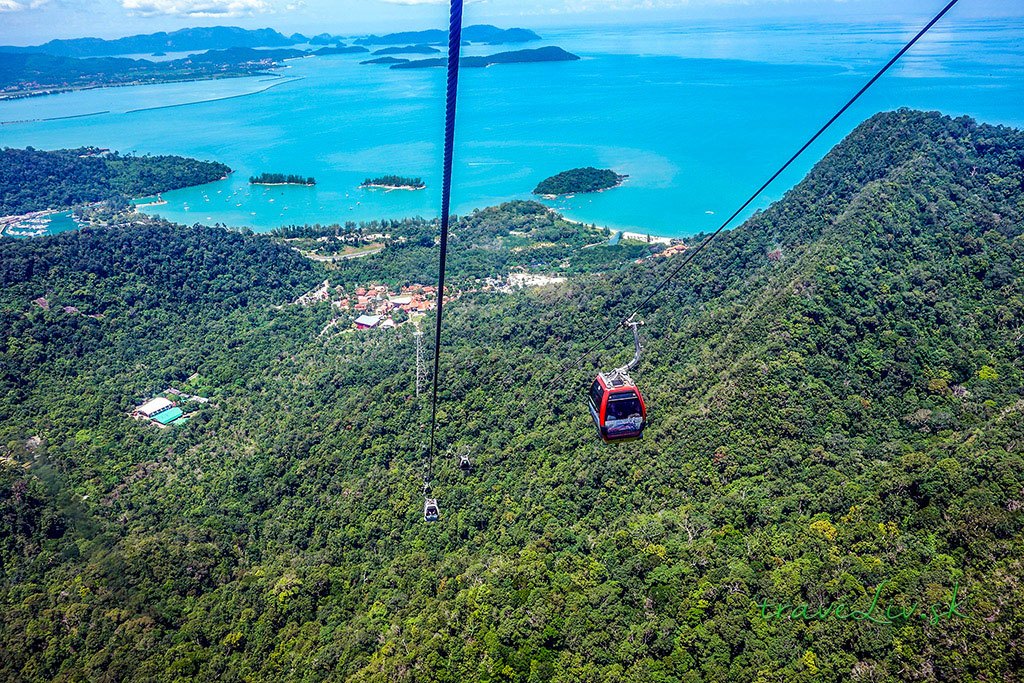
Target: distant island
{"points": [[478, 33], [579, 180], [197, 39], [324, 39], [340, 50], [280, 179], [542, 54], [38, 180], [221, 52], [395, 182], [407, 50], [386, 60]]}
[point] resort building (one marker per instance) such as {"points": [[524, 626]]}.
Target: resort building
{"points": [[367, 322], [151, 408], [160, 410]]}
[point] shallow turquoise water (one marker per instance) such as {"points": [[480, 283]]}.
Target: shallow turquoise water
{"points": [[696, 116], [48, 225]]}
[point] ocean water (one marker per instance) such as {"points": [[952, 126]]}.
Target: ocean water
{"points": [[697, 116]]}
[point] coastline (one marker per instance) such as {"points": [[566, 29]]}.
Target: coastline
{"points": [[38, 223], [216, 99], [59, 90], [54, 118], [549, 196], [624, 234], [160, 201], [642, 237]]}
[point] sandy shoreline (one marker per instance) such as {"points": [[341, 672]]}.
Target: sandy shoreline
{"points": [[393, 187], [659, 239], [280, 184], [643, 237]]}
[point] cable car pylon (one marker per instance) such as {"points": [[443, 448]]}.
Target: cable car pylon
{"points": [[421, 372]]}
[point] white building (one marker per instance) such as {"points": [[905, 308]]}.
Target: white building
{"points": [[367, 322], [151, 408]]}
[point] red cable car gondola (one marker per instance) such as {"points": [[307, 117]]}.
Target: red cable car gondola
{"points": [[616, 403]]}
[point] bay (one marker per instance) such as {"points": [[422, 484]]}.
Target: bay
{"points": [[697, 116]]}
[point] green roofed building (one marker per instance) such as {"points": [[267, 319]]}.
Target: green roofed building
{"points": [[166, 417]]}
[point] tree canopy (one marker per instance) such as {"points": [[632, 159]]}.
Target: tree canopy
{"points": [[36, 180], [575, 180], [835, 395]]}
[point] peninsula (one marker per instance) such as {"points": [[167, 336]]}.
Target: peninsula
{"points": [[37, 180], [281, 179], [542, 54], [386, 60], [579, 180], [31, 74], [394, 182]]}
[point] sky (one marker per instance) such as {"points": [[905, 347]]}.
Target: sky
{"points": [[28, 22]]}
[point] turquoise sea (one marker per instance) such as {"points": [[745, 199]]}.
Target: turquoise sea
{"points": [[696, 115]]}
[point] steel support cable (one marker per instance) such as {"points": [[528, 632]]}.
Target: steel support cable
{"points": [[454, 53], [692, 253]]}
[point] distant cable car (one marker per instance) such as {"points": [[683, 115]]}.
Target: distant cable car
{"points": [[464, 464], [616, 404], [430, 513]]}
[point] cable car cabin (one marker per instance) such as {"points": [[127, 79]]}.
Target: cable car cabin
{"points": [[430, 513], [464, 463], [617, 407]]}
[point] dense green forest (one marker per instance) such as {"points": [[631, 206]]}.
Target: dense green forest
{"points": [[835, 392], [281, 179], [394, 181], [575, 180], [488, 243], [36, 180]]}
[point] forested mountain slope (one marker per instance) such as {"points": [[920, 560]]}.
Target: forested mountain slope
{"points": [[836, 402]]}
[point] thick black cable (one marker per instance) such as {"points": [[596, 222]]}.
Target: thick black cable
{"points": [[692, 253], [454, 53]]}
